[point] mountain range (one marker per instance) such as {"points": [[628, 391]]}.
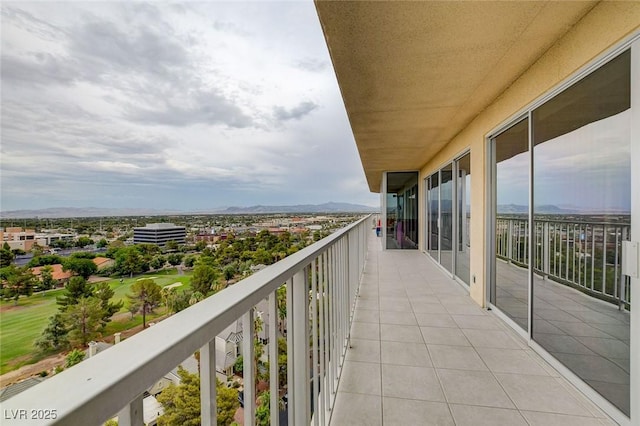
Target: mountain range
{"points": [[61, 212]]}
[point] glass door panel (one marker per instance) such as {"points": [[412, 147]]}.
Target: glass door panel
{"points": [[510, 283], [582, 193], [463, 167], [402, 210], [434, 214], [446, 217]]}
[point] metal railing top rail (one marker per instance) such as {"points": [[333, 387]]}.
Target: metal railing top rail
{"points": [[100, 386], [564, 221]]}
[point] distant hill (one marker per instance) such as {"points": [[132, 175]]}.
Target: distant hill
{"points": [[330, 207], [61, 212]]}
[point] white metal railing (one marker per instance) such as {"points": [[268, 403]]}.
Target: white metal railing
{"points": [[586, 255], [321, 283]]}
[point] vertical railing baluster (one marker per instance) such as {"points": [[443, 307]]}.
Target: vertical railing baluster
{"points": [[604, 258], [616, 261], [327, 331], [274, 368], [593, 256], [509, 240], [314, 328], [208, 403], [132, 414], [248, 372], [322, 406], [291, 401], [300, 299]]}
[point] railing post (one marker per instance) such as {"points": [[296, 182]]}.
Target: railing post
{"points": [[208, 403], [132, 414], [509, 240], [328, 389], [248, 354], [621, 277], [314, 337], [300, 299], [291, 401], [546, 249], [321, 406], [274, 379]]}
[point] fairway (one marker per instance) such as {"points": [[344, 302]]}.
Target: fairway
{"points": [[21, 326]]}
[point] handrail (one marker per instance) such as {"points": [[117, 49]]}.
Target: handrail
{"points": [[97, 388], [565, 251]]}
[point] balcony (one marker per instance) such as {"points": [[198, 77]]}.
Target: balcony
{"points": [[422, 352], [390, 339]]}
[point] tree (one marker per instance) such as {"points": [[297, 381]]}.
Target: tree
{"points": [[171, 245], [181, 403], [282, 362], [157, 262], [76, 289], [83, 320], [104, 293], [6, 256], [80, 266], [227, 399], [229, 272], [74, 357], [37, 249], [262, 410], [46, 259], [146, 295], [83, 241], [129, 261], [238, 366], [201, 245], [174, 258], [17, 282], [189, 261], [46, 277], [102, 243], [204, 277], [195, 297], [54, 337]]}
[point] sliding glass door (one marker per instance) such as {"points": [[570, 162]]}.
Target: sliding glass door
{"points": [[448, 216], [562, 206], [401, 200], [510, 285]]}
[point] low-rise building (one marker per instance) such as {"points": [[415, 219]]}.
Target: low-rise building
{"points": [[159, 234], [18, 238], [57, 273]]}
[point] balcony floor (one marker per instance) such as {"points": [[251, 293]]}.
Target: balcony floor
{"points": [[424, 353]]}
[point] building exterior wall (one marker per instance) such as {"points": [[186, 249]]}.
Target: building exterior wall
{"points": [[18, 238], [159, 234], [602, 28]]}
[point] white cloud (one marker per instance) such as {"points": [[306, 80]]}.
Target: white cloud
{"points": [[200, 104]]}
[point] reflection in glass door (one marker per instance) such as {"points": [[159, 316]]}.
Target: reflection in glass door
{"points": [[402, 210], [575, 152], [446, 217], [463, 228], [582, 193], [510, 283], [433, 209]]}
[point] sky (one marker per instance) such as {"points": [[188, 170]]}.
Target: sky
{"points": [[588, 169], [182, 106]]}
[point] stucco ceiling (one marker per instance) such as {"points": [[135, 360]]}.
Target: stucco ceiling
{"points": [[414, 74]]}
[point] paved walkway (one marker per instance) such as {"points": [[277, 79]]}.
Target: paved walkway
{"points": [[423, 353]]}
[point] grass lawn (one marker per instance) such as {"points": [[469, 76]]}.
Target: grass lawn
{"points": [[20, 326]]}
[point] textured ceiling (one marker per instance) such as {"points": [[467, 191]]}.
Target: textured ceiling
{"points": [[414, 74]]}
